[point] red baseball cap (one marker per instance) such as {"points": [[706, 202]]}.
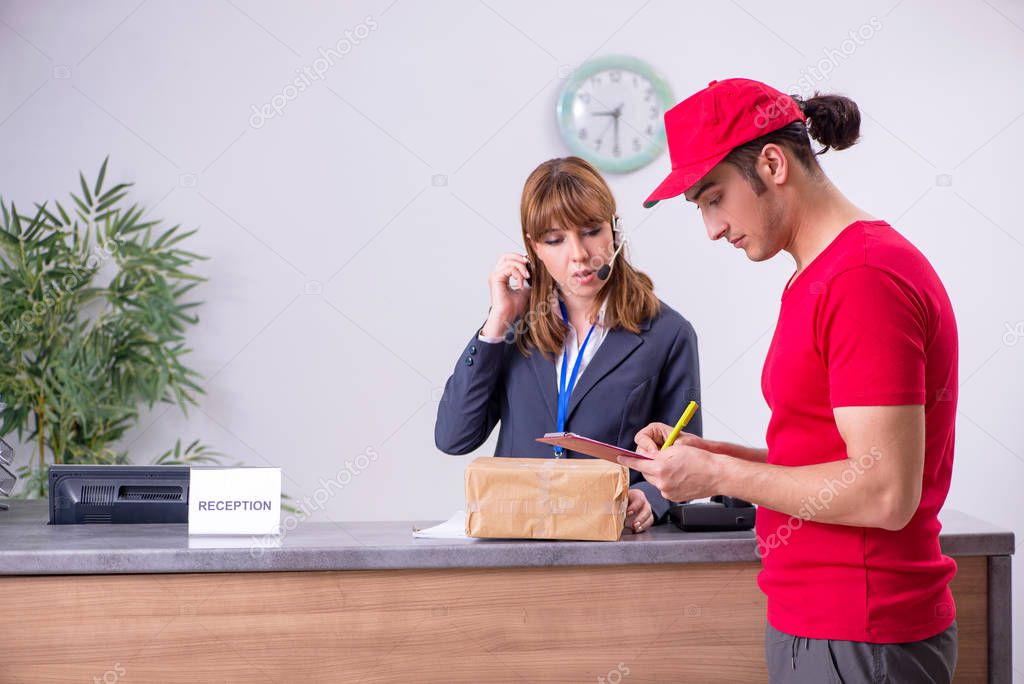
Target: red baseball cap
{"points": [[708, 125]]}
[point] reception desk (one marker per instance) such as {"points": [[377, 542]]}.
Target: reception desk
{"points": [[365, 602]]}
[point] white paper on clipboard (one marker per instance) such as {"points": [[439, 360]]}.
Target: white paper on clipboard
{"points": [[590, 447]]}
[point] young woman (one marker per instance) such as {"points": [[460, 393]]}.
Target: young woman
{"points": [[572, 351]]}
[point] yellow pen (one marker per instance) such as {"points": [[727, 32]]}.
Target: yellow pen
{"points": [[683, 421]]}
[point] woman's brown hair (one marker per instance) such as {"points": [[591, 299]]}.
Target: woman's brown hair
{"points": [[569, 193]]}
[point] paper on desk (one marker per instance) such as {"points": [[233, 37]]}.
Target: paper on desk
{"points": [[452, 528]]}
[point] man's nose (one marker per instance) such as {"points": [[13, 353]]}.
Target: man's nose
{"points": [[716, 229]]}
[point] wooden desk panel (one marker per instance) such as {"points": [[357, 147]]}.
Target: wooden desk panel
{"points": [[635, 623]]}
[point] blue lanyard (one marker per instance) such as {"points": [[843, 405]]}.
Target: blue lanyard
{"points": [[565, 390]]}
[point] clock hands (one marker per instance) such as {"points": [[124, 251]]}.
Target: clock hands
{"points": [[616, 114], [615, 149], [601, 137]]}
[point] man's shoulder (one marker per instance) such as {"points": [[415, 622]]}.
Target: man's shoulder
{"points": [[874, 249]]}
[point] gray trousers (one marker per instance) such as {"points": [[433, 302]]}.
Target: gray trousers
{"points": [[799, 660]]}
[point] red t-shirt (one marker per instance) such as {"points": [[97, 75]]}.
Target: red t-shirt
{"points": [[867, 323]]}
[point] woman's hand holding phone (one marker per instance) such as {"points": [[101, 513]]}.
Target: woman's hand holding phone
{"points": [[507, 303]]}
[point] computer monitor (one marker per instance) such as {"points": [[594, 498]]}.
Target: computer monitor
{"points": [[118, 494]]}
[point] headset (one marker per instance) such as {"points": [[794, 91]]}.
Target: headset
{"points": [[606, 270]]}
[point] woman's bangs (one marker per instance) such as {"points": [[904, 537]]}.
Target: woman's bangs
{"points": [[565, 206]]}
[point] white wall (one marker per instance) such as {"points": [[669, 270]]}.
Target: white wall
{"points": [[344, 282]]}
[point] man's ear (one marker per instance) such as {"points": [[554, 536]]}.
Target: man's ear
{"points": [[774, 165]]}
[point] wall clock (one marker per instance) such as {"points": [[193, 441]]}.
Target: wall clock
{"points": [[610, 113]]}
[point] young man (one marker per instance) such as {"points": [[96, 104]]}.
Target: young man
{"points": [[861, 379]]}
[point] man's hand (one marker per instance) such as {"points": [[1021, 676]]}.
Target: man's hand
{"points": [[651, 438], [654, 435], [681, 472], [639, 516]]}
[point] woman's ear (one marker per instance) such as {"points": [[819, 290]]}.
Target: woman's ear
{"points": [[531, 259]]}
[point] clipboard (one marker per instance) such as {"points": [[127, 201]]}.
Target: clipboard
{"points": [[590, 447]]}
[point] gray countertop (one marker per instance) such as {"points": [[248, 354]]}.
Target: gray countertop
{"points": [[29, 546]]}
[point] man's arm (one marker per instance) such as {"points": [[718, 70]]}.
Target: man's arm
{"points": [[739, 451], [877, 485], [654, 435]]}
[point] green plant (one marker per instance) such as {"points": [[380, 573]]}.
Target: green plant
{"points": [[94, 307]]}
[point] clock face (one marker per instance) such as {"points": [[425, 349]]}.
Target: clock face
{"points": [[610, 113]]}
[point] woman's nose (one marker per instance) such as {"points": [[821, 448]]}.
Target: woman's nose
{"points": [[576, 249]]}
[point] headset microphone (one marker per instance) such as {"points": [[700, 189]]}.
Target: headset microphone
{"points": [[606, 270]]}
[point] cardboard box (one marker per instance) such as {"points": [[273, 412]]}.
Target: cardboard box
{"points": [[540, 498]]}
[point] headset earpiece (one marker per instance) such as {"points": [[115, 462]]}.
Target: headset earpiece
{"points": [[606, 270]]}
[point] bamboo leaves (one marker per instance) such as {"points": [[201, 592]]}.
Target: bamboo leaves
{"points": [[94, 309]]}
